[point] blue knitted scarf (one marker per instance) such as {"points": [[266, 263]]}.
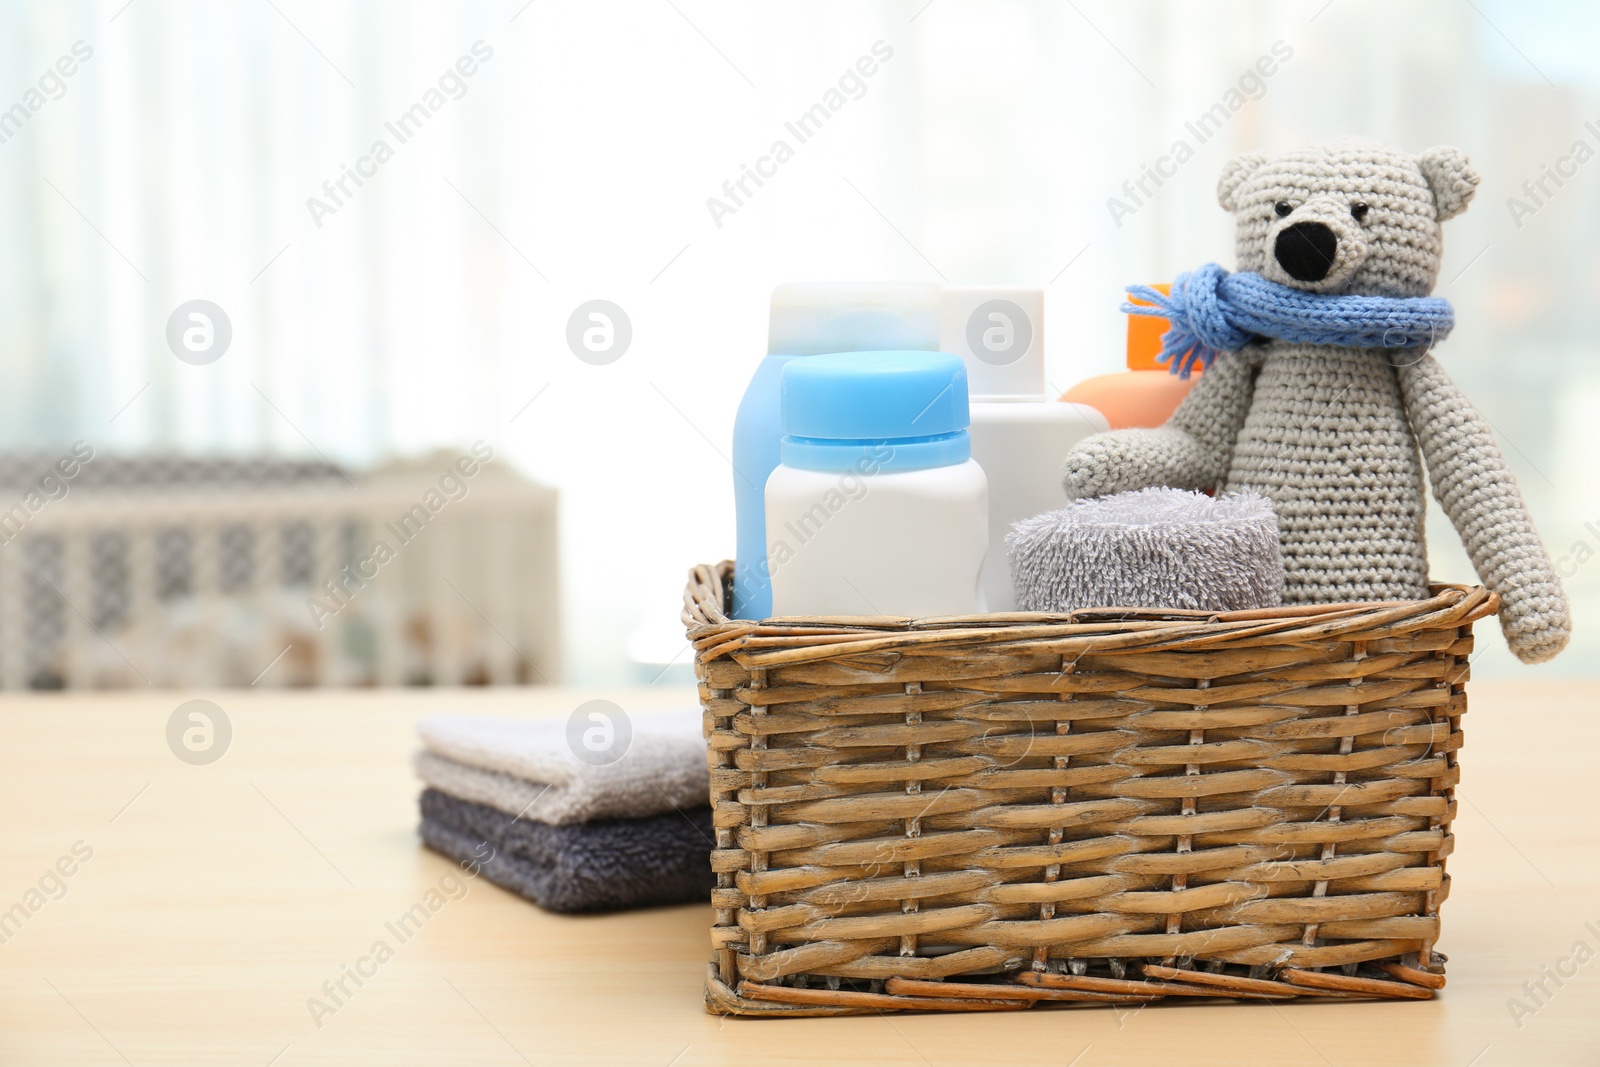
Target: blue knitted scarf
{"points": [[1212, 311]]}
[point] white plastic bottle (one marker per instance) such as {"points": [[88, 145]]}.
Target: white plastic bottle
{"points": [[1019, 435], [877, 507]]}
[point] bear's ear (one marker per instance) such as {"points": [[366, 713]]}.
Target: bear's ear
{"points": [[1234, 174], [1453, 182]]}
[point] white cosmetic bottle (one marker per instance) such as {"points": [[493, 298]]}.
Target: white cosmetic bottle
{"points": [[877, 507], [1019, 434]]}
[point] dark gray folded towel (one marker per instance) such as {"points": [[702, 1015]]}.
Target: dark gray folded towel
{"points": [[593, 866]]}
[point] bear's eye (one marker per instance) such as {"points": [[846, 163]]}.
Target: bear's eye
{"points": [[1358, 211], [1282, 207]]}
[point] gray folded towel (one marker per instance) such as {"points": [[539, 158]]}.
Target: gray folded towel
{"points": [[1151, 548], [528, 768], [595, 866]]}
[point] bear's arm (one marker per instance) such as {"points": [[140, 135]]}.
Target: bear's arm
{"points": [[1192, 451], [1478, 493]]}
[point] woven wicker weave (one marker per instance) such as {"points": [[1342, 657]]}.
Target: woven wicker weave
{"points": [[987, 812]]}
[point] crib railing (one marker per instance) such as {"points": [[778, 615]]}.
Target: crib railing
{"points": [[313, 583]]}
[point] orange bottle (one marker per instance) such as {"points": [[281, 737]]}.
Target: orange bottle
{"points": [[1147, 393]]}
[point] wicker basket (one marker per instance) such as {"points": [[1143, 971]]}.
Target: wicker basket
{"points": [[1114, 806]]}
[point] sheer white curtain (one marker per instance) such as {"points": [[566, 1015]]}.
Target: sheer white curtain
{"points": [[429, 304]]}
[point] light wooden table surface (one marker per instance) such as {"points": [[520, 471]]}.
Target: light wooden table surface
{"points": [[218, 899]]}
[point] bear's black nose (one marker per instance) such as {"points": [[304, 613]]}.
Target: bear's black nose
{"points": [[1306, 251]]}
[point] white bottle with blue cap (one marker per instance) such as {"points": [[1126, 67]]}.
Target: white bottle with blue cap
{"points": [[877, 507], [809, 319]]}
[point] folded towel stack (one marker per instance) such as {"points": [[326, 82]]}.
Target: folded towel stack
{"points": [[567, 834]]}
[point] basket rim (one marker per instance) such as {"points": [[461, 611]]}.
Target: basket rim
{"points": [[786, 640]]}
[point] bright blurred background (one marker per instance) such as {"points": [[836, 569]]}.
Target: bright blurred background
{"points": [[426, 308]]}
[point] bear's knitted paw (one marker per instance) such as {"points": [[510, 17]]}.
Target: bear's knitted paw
{"points": [[1536, 621], [1090, 468], [1123, 460]]}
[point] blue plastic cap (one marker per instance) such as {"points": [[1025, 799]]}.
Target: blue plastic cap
{"points": [[839, 408], [874, 396]]}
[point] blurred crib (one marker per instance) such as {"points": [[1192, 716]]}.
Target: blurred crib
{"points": [[191, 573]]}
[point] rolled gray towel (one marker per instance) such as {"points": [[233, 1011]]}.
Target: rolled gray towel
{"points": [[606, 865], [1151, 548]]}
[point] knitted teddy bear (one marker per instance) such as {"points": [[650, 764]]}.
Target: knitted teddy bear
{"points": [[1320, 390]]}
